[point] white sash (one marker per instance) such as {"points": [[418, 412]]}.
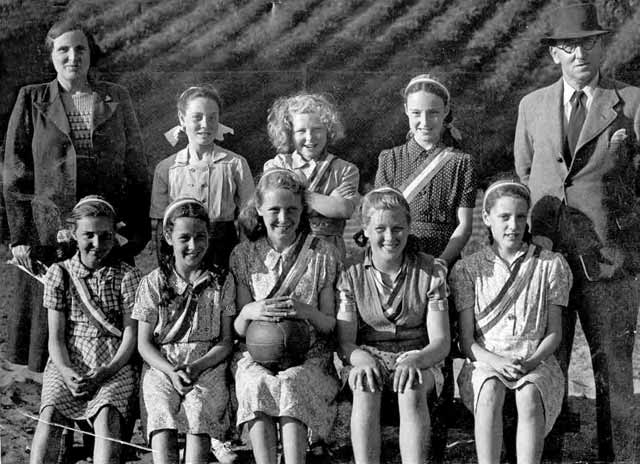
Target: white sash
{"points": [[424, 176]]}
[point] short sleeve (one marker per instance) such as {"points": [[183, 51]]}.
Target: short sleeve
{"points": [[469, 184], [159, 191], [351, 176], [273, 163], [228, 296], [462, 287], [438, 288], [147, 298], [560, 281], [345, 301], [330, 266], [54, 289], [128, 288], [244, 182], [238, 264]]}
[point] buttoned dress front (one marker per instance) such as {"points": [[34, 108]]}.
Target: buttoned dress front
{"points": [[305, 392], [475, 282], [113, 288], [203, 409], [434, 211]]}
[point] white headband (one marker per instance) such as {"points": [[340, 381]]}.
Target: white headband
{"points": [[86, 200], [386, 189], [504, 183], [428, 80], [174, 205]]}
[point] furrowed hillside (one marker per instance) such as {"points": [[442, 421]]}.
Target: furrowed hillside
{"points": [[360, 51]]}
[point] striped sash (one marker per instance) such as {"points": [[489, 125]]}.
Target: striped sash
{"points": [[89, 306], [318, 178], [424, 174], [293, 272], [393, 305], [505, 299], [176, 331]]}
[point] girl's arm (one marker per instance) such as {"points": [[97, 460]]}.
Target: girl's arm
{"points": [[272, 309], [365, 370], [439, 339], [60, 355], [460, 235], [510, 368], [218, 353], [332, 206], [550, 342], [323, 320], [149, 351]]}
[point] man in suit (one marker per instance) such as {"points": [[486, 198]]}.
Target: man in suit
{"points": [[576, 147]]}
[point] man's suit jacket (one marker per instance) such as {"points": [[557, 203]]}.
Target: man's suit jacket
{"points": [[594, 198]]}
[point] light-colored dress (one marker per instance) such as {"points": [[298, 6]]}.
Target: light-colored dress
{"points": [[339, 172], [113, 290], [387, 329], [475, 282], [305, 392], [160, 303]]}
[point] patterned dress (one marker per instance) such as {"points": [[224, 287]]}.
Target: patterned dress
{"points": [[434, 211], [475, 282], [305, 392], [386, 331], [112, 288], [341, 172], [203, 409]]}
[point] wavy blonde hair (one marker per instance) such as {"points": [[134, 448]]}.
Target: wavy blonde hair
{"points": [[279, 120]]}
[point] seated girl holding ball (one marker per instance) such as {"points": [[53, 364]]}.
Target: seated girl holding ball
{"points": [[393, 329], [281, 273]]}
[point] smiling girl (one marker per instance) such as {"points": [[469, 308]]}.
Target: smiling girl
{"points": [[89, 298], [393, 329], [509, 296], [184, 312], [281, 272], [203, 170], [301, 128]]}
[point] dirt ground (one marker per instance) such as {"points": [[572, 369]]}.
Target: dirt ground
{"points": [[20, 396]]}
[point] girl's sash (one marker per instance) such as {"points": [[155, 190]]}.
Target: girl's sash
{"points": [[510, 291], [89, 306], [424, 174], [318, 178], [176, 331], [393, 306], [293, 272]]}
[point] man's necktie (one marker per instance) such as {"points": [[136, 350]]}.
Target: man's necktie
{"points": [[576, 120]]}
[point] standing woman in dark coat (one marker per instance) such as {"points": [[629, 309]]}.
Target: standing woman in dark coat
{"points": [[66, 139]]}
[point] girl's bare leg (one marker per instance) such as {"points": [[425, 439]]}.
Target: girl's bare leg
{"points": [[294, 440], [365, 427], [107, 423], [488, 421], [415, 422], [165, 446], [262, 432], [530, 433], [46, 440], [197, 449]]}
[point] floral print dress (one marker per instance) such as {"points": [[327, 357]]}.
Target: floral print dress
{"points": [[305, 392], [475, 283], [203, 409]]}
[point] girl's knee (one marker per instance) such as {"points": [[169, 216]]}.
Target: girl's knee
{"points": [[529, 401], [491, 394], [51, 414], [108, 421]]}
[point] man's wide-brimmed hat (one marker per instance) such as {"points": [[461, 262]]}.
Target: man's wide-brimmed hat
{"points": [[575, 21]]}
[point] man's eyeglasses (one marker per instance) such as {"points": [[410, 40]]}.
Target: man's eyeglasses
{"points": [[569, 46]]}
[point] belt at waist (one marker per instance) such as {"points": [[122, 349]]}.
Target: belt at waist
{"points": [[321, 225], [417, 334]]}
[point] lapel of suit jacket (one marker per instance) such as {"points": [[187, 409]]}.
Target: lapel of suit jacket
{"points": [[105, 102], [553, 123], [601, 112], [53, 109]]}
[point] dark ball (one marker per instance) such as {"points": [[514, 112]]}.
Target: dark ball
{"points": [[278, 345]]}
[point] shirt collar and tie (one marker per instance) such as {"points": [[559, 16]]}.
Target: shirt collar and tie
{"points": [[568, 92]]}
